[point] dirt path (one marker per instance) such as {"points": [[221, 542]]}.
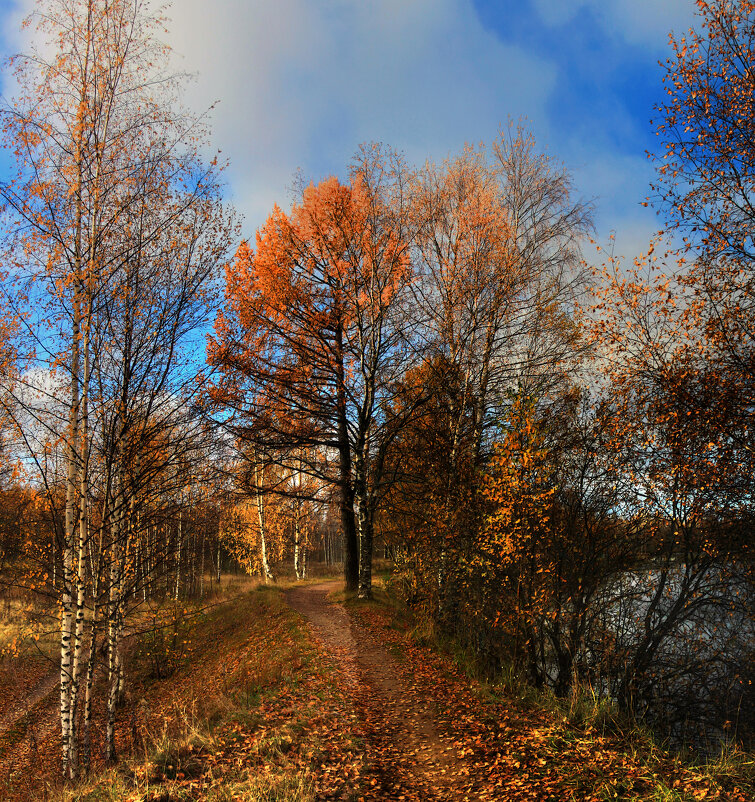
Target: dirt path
{"points": [[46, 685], [407, 758]]}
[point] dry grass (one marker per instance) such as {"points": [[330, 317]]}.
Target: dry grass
{"points": [[27, 626], [235, 718]]}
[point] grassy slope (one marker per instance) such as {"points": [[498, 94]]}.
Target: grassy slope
{"points": [[251, 712], [521, 744], [254, 711]]}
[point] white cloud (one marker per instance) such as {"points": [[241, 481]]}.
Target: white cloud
{"points": [[301, 84], [640, 22], [619, 183], [13, 14]]}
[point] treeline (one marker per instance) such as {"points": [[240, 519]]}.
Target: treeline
{"points": [[354, 308], [556, 459]]}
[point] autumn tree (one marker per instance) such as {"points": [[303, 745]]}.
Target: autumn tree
{"points": [[704, 193], [496, 251], [250, 536], [673, 439], [314, 332], [430, 477], [705, 174], [115, 230], [497, 247], [520, 487], [705, 185]]}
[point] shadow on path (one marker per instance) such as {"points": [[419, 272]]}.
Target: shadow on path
{"points": [[407, 759]]}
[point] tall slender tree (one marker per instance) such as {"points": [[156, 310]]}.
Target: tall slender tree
{"points": [[115, 231], [313, 334]]}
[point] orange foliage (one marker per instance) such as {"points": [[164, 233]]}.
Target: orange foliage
{"points": [[312, 335]]}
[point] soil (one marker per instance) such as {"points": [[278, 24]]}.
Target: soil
{"points": [[29, 699], [407, 756]]}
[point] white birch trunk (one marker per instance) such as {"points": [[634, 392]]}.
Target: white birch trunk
{"points": [[178, 556], [266, 572], [69, 595], [201, 566], [297, 544]]}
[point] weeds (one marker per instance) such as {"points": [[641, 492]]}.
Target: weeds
{"points": [[164, 646], [234, 719]]}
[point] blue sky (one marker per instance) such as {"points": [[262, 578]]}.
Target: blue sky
{"points": [[300, 83]]}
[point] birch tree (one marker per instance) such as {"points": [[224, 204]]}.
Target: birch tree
{"points": [[115, 229], [496, 249]]}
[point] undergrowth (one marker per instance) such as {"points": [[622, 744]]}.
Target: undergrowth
{"points": [[255, 710], [238, 716], [582, 723]]}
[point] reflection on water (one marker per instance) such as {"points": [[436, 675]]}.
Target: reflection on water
{"points": [[681, 642]]}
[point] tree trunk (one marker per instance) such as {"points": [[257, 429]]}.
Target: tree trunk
{"points": [[201, 565], [178, 556], [348, 524], [365, 535], [350, 540], [91, 664], [258, 481], [70, 590], [297, 541]]}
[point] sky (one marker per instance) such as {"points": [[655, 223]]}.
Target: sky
{"points": [[299, 84]]}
